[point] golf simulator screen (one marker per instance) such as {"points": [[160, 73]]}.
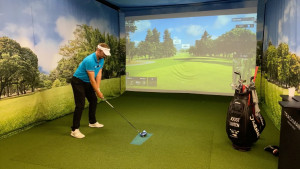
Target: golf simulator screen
{"points": [[190, 52]]}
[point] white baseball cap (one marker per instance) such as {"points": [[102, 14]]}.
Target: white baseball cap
{"points": [[105, 50]]}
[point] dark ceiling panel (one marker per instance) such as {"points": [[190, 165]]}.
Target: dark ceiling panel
{"points": [[152, 3]]}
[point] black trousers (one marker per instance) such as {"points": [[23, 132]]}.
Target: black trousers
{"points": [[82, 90]]}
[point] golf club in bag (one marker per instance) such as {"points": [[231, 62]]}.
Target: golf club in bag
{"points": [[244, 122], [142, 134]]}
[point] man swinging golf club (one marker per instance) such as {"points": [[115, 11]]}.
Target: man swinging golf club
{"points": [[86, 84]]}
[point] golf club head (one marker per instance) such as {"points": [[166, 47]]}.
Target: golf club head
{"points": [[143, 134], [238, 73]]}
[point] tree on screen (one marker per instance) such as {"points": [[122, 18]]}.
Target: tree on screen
{"points": [[157, 48], [152, 48], [149, 45], [204, 45], [130, 49], [237, 41], [168, 48], [130, 27]]}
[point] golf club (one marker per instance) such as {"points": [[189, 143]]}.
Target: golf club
{"points": [[241, 85], [142, 134]]}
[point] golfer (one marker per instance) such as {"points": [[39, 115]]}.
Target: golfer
{"points": [[86, 84]]}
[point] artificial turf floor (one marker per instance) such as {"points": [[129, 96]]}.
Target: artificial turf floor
{"points": [[188, 132]]}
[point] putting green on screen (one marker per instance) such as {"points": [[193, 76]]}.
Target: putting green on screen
{"points": [[188, 132], [185, 73]]}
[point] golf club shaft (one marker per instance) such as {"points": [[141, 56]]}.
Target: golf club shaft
{"points": [[122, 116]]}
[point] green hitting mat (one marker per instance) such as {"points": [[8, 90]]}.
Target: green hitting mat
{"points": [[138, 140]]}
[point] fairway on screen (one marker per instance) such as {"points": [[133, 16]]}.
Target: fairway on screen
{"points": [[190, 53]]}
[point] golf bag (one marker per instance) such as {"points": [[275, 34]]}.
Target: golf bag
{"points": [[244, 122]]}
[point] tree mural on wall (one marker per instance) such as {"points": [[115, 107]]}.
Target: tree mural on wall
{"points": [[282, 66], [85, 42], [18, 68]]}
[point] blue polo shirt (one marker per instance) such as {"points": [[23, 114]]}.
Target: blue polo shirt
{"points": [[89, 63]]}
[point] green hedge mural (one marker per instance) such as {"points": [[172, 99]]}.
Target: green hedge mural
{"points": [[23, 112]]}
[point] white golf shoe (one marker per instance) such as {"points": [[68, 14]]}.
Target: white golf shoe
{"points": [[97, 125], [77, 134]]}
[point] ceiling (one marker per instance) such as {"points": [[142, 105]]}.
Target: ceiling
{"points": [[152, 3]]}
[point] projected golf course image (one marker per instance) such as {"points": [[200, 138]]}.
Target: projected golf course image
{"points": [[189, 54]]}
